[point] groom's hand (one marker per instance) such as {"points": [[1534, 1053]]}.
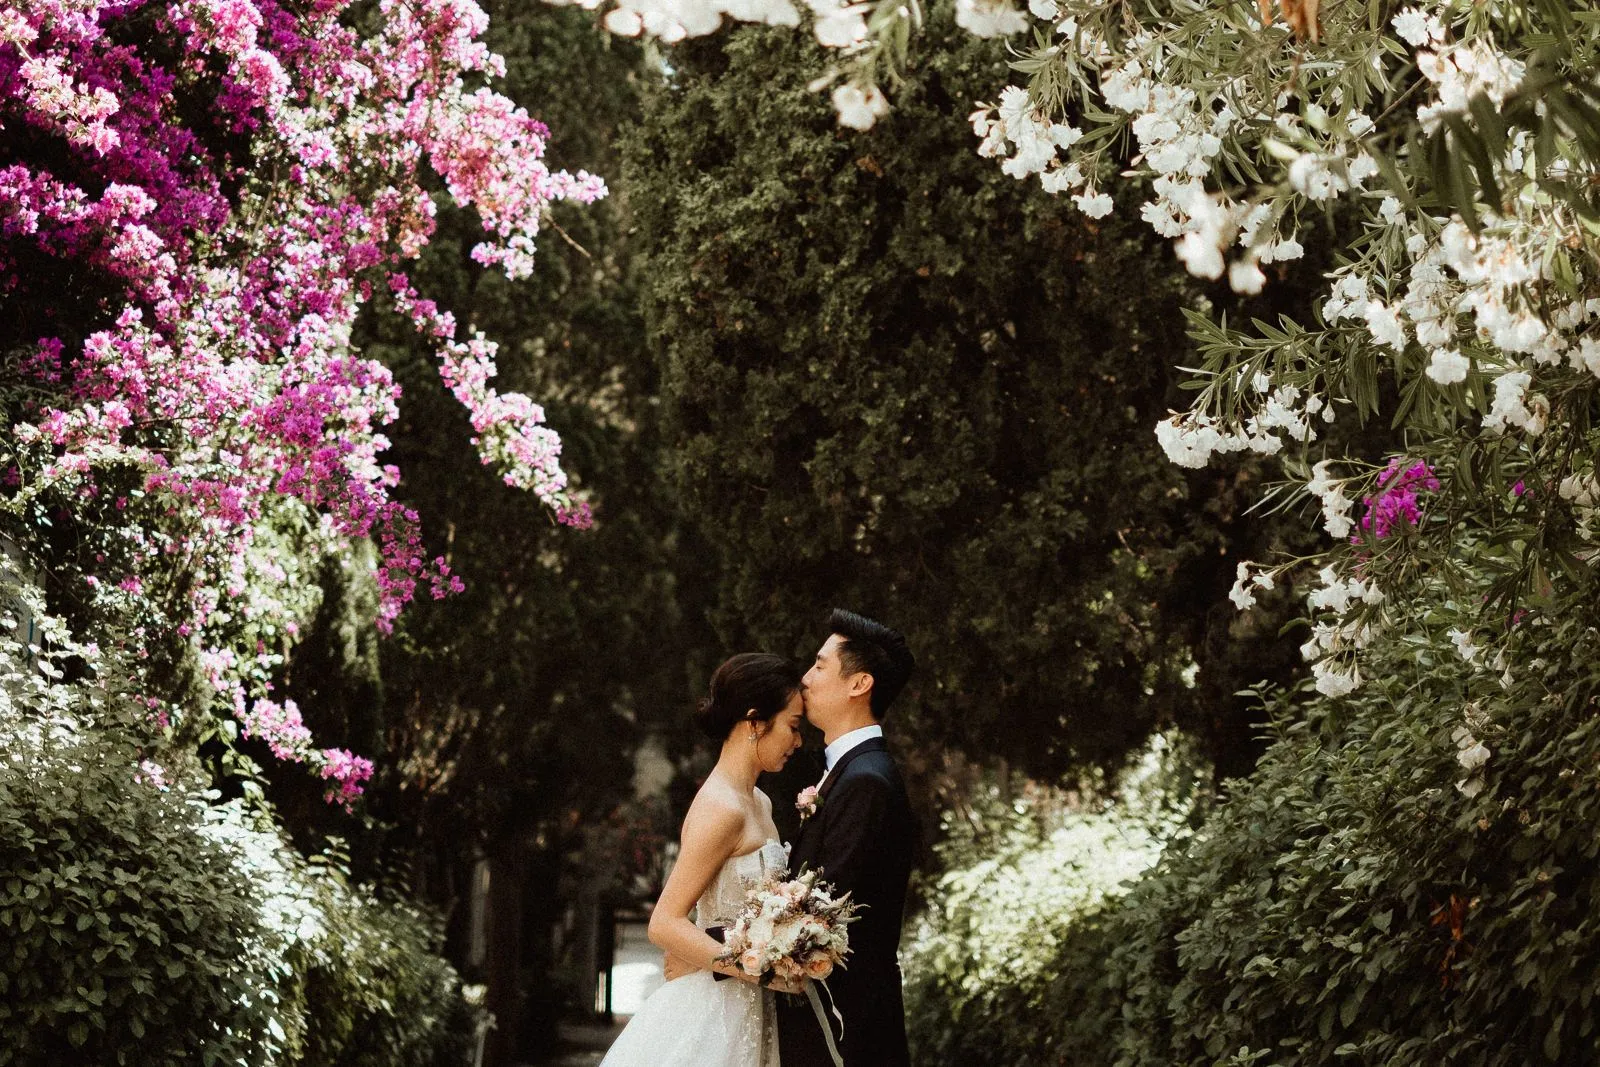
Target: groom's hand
{"points": [[673, 967]]}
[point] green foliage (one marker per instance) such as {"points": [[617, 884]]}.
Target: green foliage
{"points": [[124, 925], [145, 926], [499, 702], [1025, 868], [1370, 895], [379, 994], [898, 380], [148, 924]]}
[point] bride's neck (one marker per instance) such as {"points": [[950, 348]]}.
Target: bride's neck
{"points": [[737, 763]]}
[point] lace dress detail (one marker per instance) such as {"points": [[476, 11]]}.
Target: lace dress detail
{"points": [[719, 905], [696, 1021]]}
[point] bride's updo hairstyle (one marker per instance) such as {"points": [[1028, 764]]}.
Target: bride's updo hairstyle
{"points": [[751, 686]]}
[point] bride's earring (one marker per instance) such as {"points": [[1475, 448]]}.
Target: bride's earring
{"points": [[752, 733]]}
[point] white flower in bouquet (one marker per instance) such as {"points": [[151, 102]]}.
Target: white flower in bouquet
{"points": [[785, 935], [759, 933]]}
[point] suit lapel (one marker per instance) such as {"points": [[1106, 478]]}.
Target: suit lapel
{"points": [[871, 744], [800, 853]]}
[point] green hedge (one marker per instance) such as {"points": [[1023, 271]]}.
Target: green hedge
{"points": [[1024, 871], [147, 926], [122, 923], [1362, 898], [379, 994]]}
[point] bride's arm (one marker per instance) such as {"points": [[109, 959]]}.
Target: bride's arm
{"points": [[710, 835]]}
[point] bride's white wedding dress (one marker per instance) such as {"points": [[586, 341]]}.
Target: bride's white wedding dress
{"points": [[696, 1021]]}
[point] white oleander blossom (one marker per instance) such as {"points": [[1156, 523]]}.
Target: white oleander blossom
{"points": [[1190, 440], [1461, 71], [1586, 355], [674, 20], [1514, 408], [1336, 637], [1336, 678], [1016, 132], [1462, 639], [1201, 254], [1417, 27], [766, 12], [1580, 489], [1260, 244], [1179, 132], [1247, 580], [838, 23], [1347, 298], [1245, 276], [1472, 754], [1448, 366], [1336, 507], [859, 106], [1338, 593], [1208, 226], [1177, 135], [1097, 205], [1383, 322], [624, 22], [1318, 177], [990, 18]]}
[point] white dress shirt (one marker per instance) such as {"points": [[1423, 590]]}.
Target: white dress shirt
{"points": [[832, 754]]}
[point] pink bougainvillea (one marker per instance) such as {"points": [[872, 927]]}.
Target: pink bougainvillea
{"points": [[197, 197], [345, 773], [1395, 508]]}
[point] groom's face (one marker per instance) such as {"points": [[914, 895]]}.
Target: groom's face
{"points": [[826, 687]]}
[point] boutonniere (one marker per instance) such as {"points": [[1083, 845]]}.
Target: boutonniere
{"points": [[807, 802]]}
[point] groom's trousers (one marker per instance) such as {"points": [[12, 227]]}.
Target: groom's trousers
{"points": [[873, 1033]]}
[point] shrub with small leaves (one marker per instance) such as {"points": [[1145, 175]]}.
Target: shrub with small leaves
{"points": [[378, 993], [1025, 868], [1411, 876], [146, 923], [123, 923]]}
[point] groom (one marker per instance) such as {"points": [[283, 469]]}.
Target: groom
{"points": [[860, 834]]}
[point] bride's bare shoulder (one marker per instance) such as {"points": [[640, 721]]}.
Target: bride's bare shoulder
{"points": [[715, 813]]}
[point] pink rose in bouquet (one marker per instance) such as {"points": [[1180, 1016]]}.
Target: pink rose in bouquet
{"points": [[819, 966]]}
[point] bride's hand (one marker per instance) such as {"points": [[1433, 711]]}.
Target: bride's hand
{"points": [[675, 967], [787, 985]]}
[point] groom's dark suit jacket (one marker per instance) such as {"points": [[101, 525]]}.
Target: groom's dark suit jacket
{"points": [[863, 839]]}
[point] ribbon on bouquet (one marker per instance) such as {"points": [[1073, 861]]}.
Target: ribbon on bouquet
{"points": [[822, 1020]]}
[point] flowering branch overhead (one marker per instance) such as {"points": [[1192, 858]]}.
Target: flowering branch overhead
{"points": [[228, 257]]}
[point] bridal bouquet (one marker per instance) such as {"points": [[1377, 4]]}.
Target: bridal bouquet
{"points": [[792, 929]]}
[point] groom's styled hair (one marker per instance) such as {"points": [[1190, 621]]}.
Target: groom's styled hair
{"points": [[870, 646]]}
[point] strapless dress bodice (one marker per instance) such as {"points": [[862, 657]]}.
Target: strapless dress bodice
{"points": [[723, 899]]}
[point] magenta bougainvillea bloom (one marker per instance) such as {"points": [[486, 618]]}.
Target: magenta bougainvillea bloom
{"points": [[345, 774], [197, 198], [1394, 507]]}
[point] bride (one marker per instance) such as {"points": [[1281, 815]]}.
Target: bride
{"points": [[729, 840]]}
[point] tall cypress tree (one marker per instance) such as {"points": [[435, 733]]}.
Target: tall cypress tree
{"points": [[898, 380]]}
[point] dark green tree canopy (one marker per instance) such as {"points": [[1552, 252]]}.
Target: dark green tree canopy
{"points": [[898, 381]]}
